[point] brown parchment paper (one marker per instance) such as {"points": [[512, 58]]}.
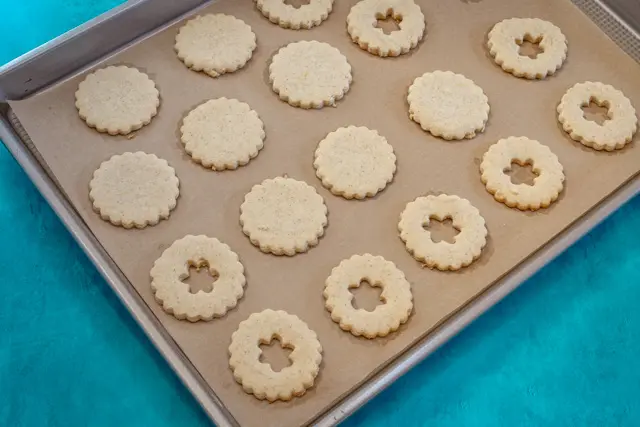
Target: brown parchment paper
{"points": [[209, 201]]}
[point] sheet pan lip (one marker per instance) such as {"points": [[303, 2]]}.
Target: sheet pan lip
{"points": [[20, 65], [379, 380], [76, 32], [603, 4]]}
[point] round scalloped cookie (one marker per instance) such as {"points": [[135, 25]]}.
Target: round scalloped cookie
{"points": [[117, 100], [448, 105], [296, 18], [310, 74], [172, 268], [215, 44], [222, 134], [506, 37], [283, 216], [396, 296], [257, 377], [547, 185], [134, 190], [355, 162], [616, 132], [362, 26], [465, 217]]}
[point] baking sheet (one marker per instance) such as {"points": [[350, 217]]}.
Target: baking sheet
{"points": [[210, 201]]}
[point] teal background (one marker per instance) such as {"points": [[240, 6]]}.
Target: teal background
{"points": [[561, 351]]}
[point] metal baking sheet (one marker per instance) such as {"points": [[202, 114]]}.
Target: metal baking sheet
{"points": [[375, 382]]}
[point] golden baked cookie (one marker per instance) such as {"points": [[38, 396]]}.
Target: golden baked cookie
{"points": [[448, 105], [465, 217], [355, 162], [506, 37], [616, 132], [257, 377], [362, 26], [222, 134], [283, 216], [134, 190], [310, 74], [215, 44], [304, 17], [172, 268], [117, 100], [547, 185], [396, 296]]}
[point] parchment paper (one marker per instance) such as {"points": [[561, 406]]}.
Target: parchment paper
{"points": [[209, 201]]}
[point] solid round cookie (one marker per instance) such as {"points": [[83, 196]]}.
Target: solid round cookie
{"points": [[355, 162], [222, 134], [310, 74], [134, 190], [506, 37], [465, 217], [448, 105], [117, 100], [215, 44], [396, 295], [362, 24], [257, 377], [614, 133], [283, 216], [547, 185], [172, 268], [304, 17]]}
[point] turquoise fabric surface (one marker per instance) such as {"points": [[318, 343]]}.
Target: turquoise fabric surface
{"points": [[561, 351]]}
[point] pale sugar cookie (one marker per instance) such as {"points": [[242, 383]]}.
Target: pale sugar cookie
{"points": [[287, 16], [283, 216], [257, 377], [547, 185], [172, 268], [117, 100], [222, 134], [613, 134], [215, 44], [355, 162], [310, 74], [504, 45], [396, 296], [363, 20], [468, 244], [448, 105], [134, 190]]}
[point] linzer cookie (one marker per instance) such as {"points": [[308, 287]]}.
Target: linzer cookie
{"points": [[283, 216], [117, 100], [362, 26], [172, 268], [134, 190], [257, 377], [547, 184], [304, 17], [222, 134], [396, 295], [448, 105], [619, 127], [310, 74], [215, 44], [506, 37], [355, 162], [465, 217]]}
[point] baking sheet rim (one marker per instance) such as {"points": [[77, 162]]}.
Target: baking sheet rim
{"points": [[377, 380]]}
